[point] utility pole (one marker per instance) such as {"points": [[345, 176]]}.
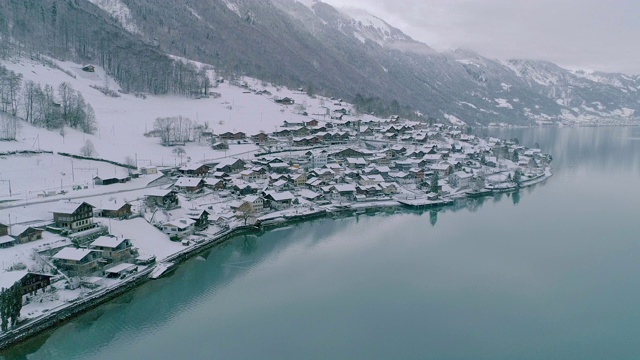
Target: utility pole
{"points": [[8, 181]]}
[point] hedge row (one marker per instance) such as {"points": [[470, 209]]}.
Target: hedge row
{"points": [[132, 167], [25, 152]]}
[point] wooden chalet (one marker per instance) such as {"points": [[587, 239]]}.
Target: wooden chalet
{"points": [[117, 210], [77, 262], [201, 218], [24, 234], [111, 180], [285, 101], [193, 169], [28, 282], [113, 249], [167, 199], [233, 136], [189, 184], [73, 216]]}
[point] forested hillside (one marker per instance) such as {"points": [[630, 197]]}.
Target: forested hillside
{"points": [[310, 45], [78, 30]]}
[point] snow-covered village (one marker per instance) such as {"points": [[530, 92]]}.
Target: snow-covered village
{"points": [[78, 223]]}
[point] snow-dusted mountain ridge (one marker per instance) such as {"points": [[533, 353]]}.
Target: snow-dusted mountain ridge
{"points": [[310, 44]]}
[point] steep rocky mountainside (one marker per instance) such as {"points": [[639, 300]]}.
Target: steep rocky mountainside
{"points": [[344, 53]]}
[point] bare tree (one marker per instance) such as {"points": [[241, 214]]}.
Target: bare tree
{"points": [[29, 93], [65, 92], [163, 126], [88, 149], [131, 162], [245, 211]]}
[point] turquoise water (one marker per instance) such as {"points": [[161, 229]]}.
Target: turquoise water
{"points": [[549, 273]]}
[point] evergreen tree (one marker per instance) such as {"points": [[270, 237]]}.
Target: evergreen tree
{"points": [[517, 177], [434, 183], [4, 312]]}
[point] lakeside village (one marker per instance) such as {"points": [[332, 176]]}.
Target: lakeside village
{"points": [[63, 251]]}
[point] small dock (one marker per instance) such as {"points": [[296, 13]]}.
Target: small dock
{"points": [[424, 203], [162, 269]]}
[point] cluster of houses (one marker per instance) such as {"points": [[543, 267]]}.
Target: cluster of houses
{"points": [[357, 162], [93, 251], [328, 163]]}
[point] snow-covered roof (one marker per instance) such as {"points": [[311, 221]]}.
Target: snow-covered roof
{"points": [[280, 183], [67, 207], [462, 175], [281, 196], [160, 192], [18, 229], [377, 178], [108, 241], [251, 198], [308, 194], [443, 166], [345, 187], [399, 175], [120, 268], [212, 181], [181, 223], [6, 239], [191, 167], [356, 161], [70, 253], [279, 165], [112, 205], [10, 277], [432, 157], [188, 182]]}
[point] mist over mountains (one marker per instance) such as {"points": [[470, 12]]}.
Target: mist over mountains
{"points": [[315, 46]]}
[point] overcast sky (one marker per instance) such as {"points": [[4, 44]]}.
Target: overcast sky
{"points": [[586, 34]]}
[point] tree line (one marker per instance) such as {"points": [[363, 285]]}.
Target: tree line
{"points": [[177, 130], [79, 31], [382, 108], [10, 306], [41, 106]]}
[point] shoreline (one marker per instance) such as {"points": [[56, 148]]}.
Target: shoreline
{"points": [[80, 306]]}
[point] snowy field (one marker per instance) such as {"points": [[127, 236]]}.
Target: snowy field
{"points": [[123, 121], [29, 175]]}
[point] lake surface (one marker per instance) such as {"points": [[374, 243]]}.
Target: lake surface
{"points": [[549, 273]]}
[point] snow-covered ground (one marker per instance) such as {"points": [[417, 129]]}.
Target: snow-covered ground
{"points": [[123, 121]]}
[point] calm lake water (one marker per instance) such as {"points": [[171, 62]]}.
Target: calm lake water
{"points": [[549, 273]]}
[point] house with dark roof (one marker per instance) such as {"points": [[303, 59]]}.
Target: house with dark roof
{"points": [[200, 216]]}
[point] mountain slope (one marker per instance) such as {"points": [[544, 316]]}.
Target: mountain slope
{"points": [[342, 53]]}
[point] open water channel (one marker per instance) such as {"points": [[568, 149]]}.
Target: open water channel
{"points": [[551, 272]]}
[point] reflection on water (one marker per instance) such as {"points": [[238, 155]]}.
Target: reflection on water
{"points": [[602, 148], [541, 273]]}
